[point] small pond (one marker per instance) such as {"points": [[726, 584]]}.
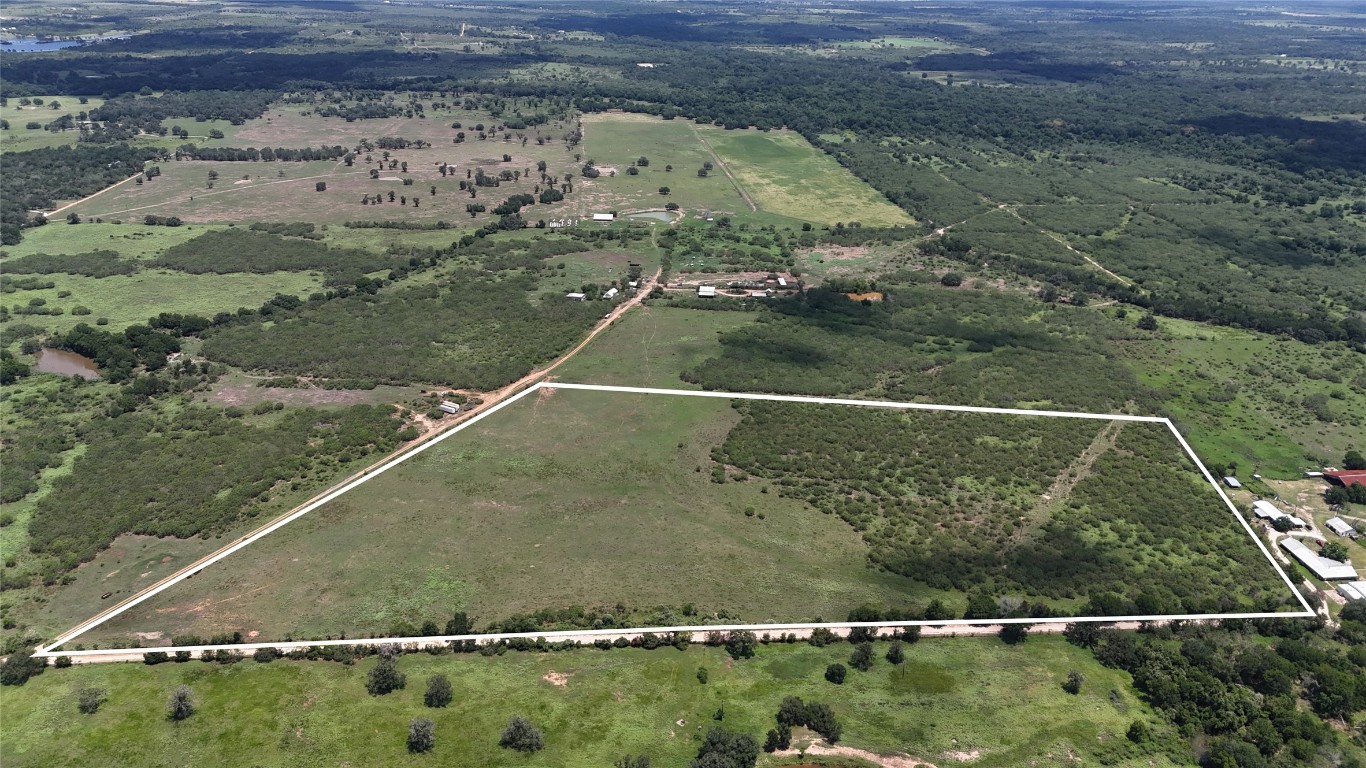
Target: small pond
{"points": [[66, 363], [653, 215]]}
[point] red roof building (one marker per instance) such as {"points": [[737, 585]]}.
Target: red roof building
{"points": [[1346, 477]]}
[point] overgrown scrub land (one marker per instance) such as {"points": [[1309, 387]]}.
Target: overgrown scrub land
{"points": [[125, 483], [471, 332], [1024, 505], [971, 695], [226, 251], [932, 345]]}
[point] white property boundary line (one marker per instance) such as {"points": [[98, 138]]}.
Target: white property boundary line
{"points": [[83, 628]]}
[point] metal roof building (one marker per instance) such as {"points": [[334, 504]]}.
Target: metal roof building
{"points": [[1353, 590], [706, 291], [1339, 526], [1232, 482], [1346, 476], [604, 217], [1322, 567], [575, 296], [611, 293], [1268, 511]]}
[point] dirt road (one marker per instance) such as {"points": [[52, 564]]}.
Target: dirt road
{"points": [[583, 637], [490, 399]]}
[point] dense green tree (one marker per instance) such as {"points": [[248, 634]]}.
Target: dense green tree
{"points": [[1073, 682], [384, 677], [89, 699], [521, 735], [180, 705], [836, 673], [1354, 460], [726, 749], [895, 653], [741, 644], [421, 735], [1336, 550], [862, 657], [439, 691], [19, 666]]}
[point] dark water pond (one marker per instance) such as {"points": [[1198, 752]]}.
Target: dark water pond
{"points": [[34, 45], [67, 363]]}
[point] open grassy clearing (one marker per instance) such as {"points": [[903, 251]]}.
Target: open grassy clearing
{"points": [[128, 299], [1271, 405], [975, 695], [615, 140], [788, 176], [595, 267], [651, 347], [132, 240], [511, 523]]}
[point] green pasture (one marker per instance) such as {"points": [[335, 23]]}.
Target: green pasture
{"points": [[596, 267], [563, 499], [614, 141], [1272, 405], [651, 347], [132, 240], [128, 299], [788, 176], [1003, 703]]}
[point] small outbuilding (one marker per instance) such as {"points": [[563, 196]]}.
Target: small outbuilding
{"points": [[1340, 527], [1320, 566], [448, 407], [576, 296], [610, 294], [706, 291], [1232, 482], [605, 217]]}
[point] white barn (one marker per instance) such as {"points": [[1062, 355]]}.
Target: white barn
{"points": [[1321, 566], [1268, 511]]}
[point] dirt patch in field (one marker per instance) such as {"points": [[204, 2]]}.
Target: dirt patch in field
{"points": [[870, 296], [246, 395], [886, 761], [148, 635], [557, 679], [841, 252], [963, 757]]}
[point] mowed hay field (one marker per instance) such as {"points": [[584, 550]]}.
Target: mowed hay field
{"points": [[615, 140], [1002, 704], [787, 176], [779, 171], [562, 499]]}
